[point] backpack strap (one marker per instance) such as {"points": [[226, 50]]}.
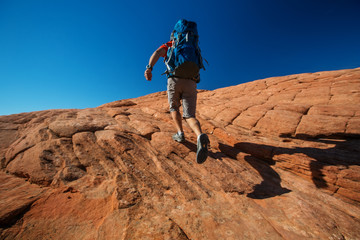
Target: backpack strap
{"points": [[168, 69]]}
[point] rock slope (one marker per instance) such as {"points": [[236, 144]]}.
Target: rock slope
{"points": [[283, 164]]}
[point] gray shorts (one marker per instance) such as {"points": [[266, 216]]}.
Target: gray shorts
{"points": [[185, 90]]}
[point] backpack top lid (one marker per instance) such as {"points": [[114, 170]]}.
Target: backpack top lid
{"points": [[183, 26]]}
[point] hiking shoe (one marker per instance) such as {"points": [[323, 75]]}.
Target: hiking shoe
{"points": [[202, 148], [179, 137]]}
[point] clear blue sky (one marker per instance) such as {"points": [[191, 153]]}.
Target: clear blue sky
{"points": [[79, 54]]}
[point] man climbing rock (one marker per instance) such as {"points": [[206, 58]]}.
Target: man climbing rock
{"points": [[183, 61]]}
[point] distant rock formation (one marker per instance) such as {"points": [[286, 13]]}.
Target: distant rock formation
{"points": [[283, 164]]}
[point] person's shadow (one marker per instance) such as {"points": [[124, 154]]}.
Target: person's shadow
{"points": [[271, 183], [344, 153], [269, 187]]}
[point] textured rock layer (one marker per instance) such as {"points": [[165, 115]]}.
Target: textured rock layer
{"points": [[283, 164]]}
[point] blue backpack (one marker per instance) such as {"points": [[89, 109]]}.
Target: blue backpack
{"points": [[184, 57]]}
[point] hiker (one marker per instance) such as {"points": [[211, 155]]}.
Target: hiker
{"points": [[183, 76]]}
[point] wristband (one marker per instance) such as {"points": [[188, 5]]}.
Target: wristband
{"points": [[149, 67]]}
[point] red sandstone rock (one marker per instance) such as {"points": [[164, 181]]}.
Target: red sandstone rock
{"points": [[283, 164]]}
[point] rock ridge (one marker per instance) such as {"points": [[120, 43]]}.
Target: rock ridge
{"points": [[283, 164]]}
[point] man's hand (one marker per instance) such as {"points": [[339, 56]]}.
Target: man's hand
{"points": [[148, 74]]}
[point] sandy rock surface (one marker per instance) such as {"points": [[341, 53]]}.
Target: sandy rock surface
{"points": [[283, 164]]}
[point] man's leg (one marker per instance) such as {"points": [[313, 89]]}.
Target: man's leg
{"points": [[179, 135], [189, 107], [194, 125], [189, 98], [177, 120], [202, 140], [174, 94]]}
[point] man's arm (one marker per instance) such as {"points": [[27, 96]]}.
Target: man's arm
{"points": [[160, 52]]}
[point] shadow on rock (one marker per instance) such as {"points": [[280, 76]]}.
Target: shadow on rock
{"points": [[342, 154], [193, 147], [271, 184]]}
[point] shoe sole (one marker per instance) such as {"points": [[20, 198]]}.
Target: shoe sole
{"points": [[202, 151]]}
